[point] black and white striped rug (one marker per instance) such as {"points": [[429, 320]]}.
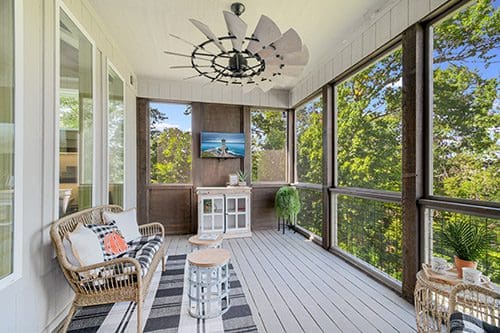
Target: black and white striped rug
{"points": [[166, 308]]}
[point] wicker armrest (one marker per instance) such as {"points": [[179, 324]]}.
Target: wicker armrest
{"points": [[152, 229], [105, 276]]}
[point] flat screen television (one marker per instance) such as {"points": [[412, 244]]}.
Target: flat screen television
{"points": [[222, 145]]}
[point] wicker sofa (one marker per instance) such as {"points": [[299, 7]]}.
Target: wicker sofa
{"points": [[117, 280]]}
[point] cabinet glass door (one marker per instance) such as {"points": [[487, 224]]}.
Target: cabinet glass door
{"points": [[236, 213], [212, 219]]}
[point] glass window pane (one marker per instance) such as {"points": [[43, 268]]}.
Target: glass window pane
{"points": [[369, 126], [170, 143], [241, 221], [311, 210], [371, 230], [116, 118], [466, 103], [218, 206], [269, 145], [309, 132], [490, 263], [207, 206], [76, 142], [6, 136]]}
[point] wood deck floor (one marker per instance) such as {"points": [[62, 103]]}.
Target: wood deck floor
{"points": [[293, 285]]}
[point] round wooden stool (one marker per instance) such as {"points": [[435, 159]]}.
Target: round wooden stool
{"points": [[208, 291], [199, 244]]}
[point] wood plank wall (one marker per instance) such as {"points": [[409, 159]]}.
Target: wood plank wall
{"points": [[215, 118], [175, 206]]}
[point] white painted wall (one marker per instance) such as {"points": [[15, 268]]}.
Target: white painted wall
{"points": [[38, 300], [215, 93], [371, 35]]}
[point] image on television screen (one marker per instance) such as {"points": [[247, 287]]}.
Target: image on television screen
{"points": [[222, 145]]}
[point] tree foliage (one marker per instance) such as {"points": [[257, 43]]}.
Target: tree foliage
{"points": [[309, 133], [170, 151], [268, 145], [466, 138]]}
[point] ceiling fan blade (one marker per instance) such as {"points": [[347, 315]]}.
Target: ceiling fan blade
{"points": [[217, 77], [208, 33], [248, 87], [265, 85], [289, 42], [234, 80], [198, 75], [296, 58], [237, 28], [185, 55], [266, 32], [292, 70], [288, 70], [181, 67], [177, 54], [189, 43]]}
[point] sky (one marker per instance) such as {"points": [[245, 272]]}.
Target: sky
{"points": [[175, 114]]}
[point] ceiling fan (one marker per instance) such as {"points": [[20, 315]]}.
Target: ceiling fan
{"points": [[261, 60]]}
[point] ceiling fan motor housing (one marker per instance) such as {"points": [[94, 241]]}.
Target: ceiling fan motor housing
{"points": [[238, 63]]}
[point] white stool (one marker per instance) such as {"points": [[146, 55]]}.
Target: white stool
{"points": [[208, 291], [199, 244]]}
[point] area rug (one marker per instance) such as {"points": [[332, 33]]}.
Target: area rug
{"points": [[166, 308]]}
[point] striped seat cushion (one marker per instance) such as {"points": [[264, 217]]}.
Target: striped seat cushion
{"points": [[144, 249]]}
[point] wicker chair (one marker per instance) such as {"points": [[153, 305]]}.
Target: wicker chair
{"points": [[431, 305], [476, 301], [124, 281]]}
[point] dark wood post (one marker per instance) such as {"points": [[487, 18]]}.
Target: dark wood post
{"points": [[142, 159], [412, 154], [327, 163]]}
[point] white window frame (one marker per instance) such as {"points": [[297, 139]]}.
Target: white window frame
{"points": [[95, 131], [109, 65], [17, 248]]}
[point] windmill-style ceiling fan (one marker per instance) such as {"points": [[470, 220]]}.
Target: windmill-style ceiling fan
{"points": [[261, 60]]}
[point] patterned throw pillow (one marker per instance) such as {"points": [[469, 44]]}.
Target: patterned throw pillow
{"points": [[112, 242]]}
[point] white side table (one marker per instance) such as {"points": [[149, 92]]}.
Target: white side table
{"points": [[208, 291], [200, 244]]}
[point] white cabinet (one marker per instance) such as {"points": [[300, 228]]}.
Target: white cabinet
{"points": [[224, 210]]}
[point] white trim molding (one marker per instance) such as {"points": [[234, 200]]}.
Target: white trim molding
{"points": [[17, 249]]}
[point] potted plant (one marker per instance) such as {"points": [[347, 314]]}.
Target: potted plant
{"points": [[468, 242], [287, 203], [242, 178]]}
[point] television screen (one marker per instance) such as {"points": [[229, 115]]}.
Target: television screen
{"points": [[222, 145]]}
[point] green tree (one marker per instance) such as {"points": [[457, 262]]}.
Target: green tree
{"points": [[466, 136], [170, 150], [268, 146], [309, 133], [174, 157]]}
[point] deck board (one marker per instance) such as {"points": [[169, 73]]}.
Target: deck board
{"points": [[356, 292], [382, 294], [293, 285]]}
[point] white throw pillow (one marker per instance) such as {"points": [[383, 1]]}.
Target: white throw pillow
{"points": [[126, 222], [85, 245], [69, 252]]}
